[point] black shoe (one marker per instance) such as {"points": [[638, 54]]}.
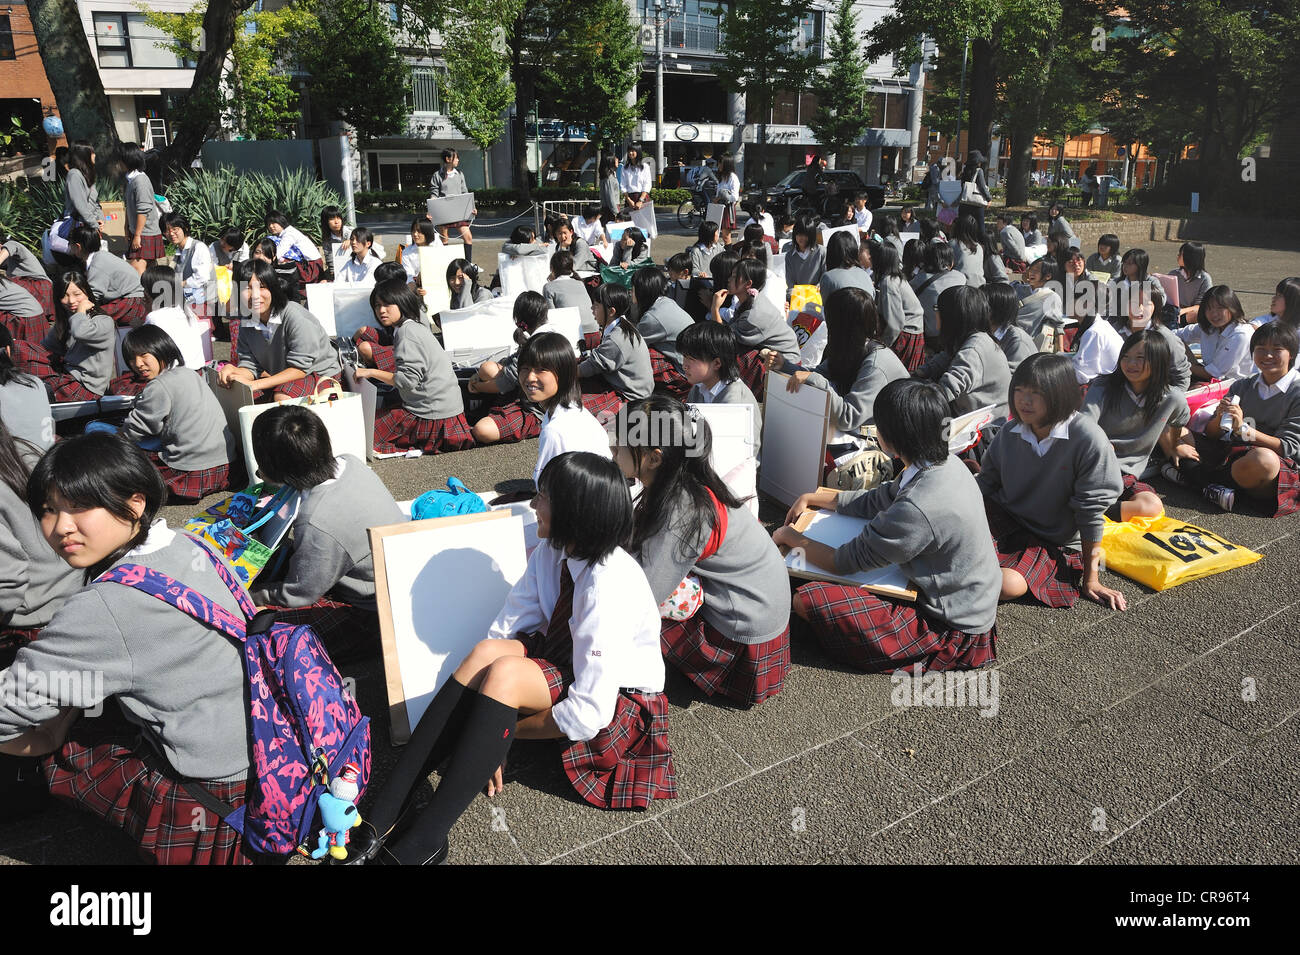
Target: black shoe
{"points": [[365, 847]]}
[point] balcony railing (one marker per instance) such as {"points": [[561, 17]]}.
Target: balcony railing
{"points": [[685, 32]]}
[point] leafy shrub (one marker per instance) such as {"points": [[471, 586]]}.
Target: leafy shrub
{"points": [[215, 199]]}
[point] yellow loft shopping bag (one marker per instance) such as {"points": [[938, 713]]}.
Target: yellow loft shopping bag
{"points": [[225, 280], [1162, 552]]}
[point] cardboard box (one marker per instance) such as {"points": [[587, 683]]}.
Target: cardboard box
{"points": [[115, 226]]}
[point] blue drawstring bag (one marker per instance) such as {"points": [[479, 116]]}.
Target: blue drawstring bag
{"points": [[458, 499]]}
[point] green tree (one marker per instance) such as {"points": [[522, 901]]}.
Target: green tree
{"points": [[763, 53], [840, 119], [356, 73], [476, 88], [598, 62]]}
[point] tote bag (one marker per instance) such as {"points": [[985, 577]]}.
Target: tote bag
{"points": [[342, 413]]}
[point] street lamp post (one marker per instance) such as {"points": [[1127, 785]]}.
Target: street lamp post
{"points": [[663, 10]]}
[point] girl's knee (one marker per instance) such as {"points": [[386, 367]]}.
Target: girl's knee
{"points": [[488, 370], [1013, 585], [1146, 504], [799, 606], [486, 432], [504, 676]]}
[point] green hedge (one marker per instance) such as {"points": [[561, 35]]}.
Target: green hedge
{"points": [[412, 201]]}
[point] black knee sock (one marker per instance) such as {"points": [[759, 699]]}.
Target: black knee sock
{"points": [[469, 251], [432, 740], [483, 744]]}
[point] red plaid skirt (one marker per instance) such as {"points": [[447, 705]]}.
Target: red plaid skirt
{"points": [[668, 379], [601, 400], [910, 349], [1287, 499], [381, 344], [35, 360], [591, 341], [309, 272], [294, 389], [107, 778], [1052, 572], [1014, 265], [752, 372], [13, 640], [126, 312], [515, 422], [629, 762], [25, 328], [191, 485], [746, 673], [126, 384], [41, 289], [396, 429], [342, 628], [151, 247], [861, 630]]}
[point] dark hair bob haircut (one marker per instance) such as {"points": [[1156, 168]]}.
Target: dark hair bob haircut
{"points": [[293, 447], [1052, 376], [1278, 334], [1224, 297], [397, 292], [705, 341], [911, 417], [264, 273], [963, 311], [152, 340], [591, 509], [551, 351], [99, 470], [648, 285], [1004, 305], [842, 252]]}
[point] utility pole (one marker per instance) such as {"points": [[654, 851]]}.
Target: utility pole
{"points": [[663, 10], [961, 97]]}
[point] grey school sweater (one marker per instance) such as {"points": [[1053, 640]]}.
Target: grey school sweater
{"points": [[935, 530], [900, 310], [736, 392], [139, 200], [80, 199], [702, 257], [1111, 266], [800, 270], [1016, 345], [25, 409], [88, 356], [851, 410], [927, 293], [568, 292], [17, 301], [298, 341], [1061, 494], [180, 408], [746, 585], [624, 364], [760, 325], [662, 322], [1278, 416], [1180, 367], [853, 277], [1132, 437], [22, 263], [469, 294], [968, 263], [111, 277], [34, 581], [331, 546], [181, 682], [424, 377], [583, 259], [1013, 242], [977, 376]]}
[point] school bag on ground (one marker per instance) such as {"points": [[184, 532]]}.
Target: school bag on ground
{"points": [[245, 533], [867, 468], [457, 499], [305, 725]]}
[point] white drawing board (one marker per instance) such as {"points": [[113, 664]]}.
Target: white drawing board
{"points": [[364, 387], [567, 321], [444, 210], [644, 219], [434, 260], [231, 399], [439, 585], [832, 529], [479, 333], [732, 427], [794, 439], [715, 212], [615, 230], [341, 309], [963, 431], [522, 273], [824, 234]]}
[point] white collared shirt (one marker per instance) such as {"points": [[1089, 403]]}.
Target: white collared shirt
{"points": [[159, 536], [197, 260], [1061, 432], [634, 180], [569, 428], [1139, 400], [352, 272], [290, 239], [908, 476], [267, 330], [1284, 383], [614, 624], [609, 329], [1098, 352]]}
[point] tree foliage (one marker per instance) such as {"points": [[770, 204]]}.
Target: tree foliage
{"points": [[841, 119]]}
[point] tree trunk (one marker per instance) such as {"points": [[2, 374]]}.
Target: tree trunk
{"points": [[525, 87], [983, 91], [200, 111], [1022, 155], [73, 75]]}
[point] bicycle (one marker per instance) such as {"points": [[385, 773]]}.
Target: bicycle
{"points": [[691, 212]]}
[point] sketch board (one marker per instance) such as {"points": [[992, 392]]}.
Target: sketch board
{"points": [[341, 309], [644, 219], [481, 332], [774, 290], [964, 431], [447, 209], [715, 212], [567, 321], [832, 529], [439, 584], [231, 399], [364, 387], [615, 230], [794, 439], [67, 410], [522, 273], [1170, 284], [434, 260], [824, 234]]}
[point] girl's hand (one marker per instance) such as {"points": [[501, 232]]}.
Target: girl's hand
{"points": [[1093, 590], [1238, 416], [769, 358], [801, 504], [361, 373], [1185, 451], [796, 380], [720, 298], [135, 243], [497, 782], [787, 536], [226, 374]]}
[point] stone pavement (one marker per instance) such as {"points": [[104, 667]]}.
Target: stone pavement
{"points": [[1167, 733]]}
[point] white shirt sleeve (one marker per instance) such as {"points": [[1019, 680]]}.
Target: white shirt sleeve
{"points": [[523, 611], [1097, 355], [601, 632]]}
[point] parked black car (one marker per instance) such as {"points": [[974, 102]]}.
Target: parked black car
{"points": [[834, 187]]}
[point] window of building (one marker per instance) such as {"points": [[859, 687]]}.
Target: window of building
{"points": [[6, 39], [423, 95], [126, 41]]}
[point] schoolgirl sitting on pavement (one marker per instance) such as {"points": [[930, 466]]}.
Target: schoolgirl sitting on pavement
{"points": [[329, 579], [1047, 481], [116, 283], [358, 266], [1193, 280], [619, 368], [291, 246], [902, 319], [709, 364], [21, 266], [462, 283], [1004, 312], [688, 522], [1144, 309], [805, 260], [24, 403], [176, 691], [20, 313], [428, 413], [1140, 411], [631, 251], [1042, 311], [1254, 466], [660, 320], [842, 268], [574, 655], [1285, 305], [1223, 331], [75, 360], [928, 521], [423, 234], [758, 323], [971, 370], [282, 348], [562, 290]]}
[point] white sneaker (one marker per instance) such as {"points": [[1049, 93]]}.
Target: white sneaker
{"points": [[1225, 497]]}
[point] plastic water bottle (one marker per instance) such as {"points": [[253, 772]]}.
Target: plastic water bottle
{"points": [[1225, 420]]}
